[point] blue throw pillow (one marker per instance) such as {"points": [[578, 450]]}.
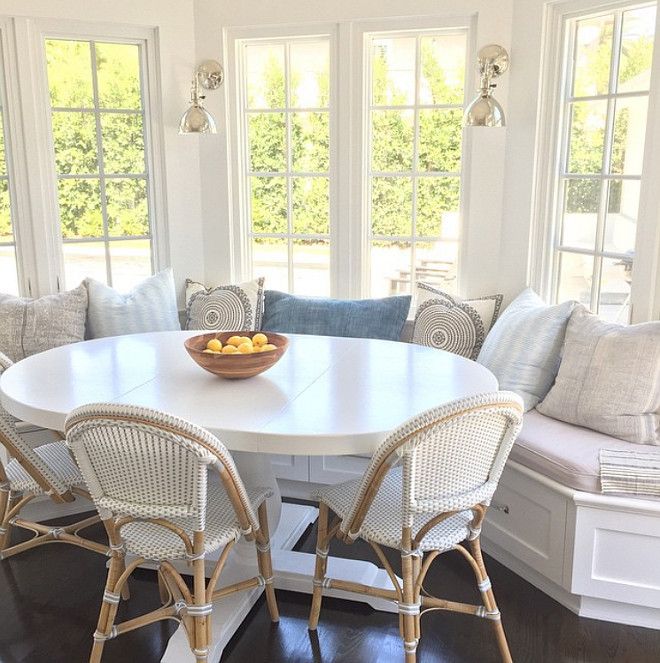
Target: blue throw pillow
{"points": [[362, 318]]}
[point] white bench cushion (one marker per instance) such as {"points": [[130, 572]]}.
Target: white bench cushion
{"points": [[566, 453]]}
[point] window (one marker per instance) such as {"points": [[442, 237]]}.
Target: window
{"points": [[606, 86], [8, 262], [285, 118], [99, 139], [416, 97]]}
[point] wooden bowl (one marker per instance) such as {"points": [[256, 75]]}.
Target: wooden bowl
{"points": [[235, 366]]}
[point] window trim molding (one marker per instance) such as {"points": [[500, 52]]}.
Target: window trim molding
{"points": [[550, 139]]}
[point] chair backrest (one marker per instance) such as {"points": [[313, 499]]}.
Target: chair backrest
{"points": [[147, 464], [452, 457], [22, 452]]}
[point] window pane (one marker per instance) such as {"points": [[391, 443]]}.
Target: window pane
{"points": [[3, 154], [637, 49], [310, 74], [311, 267], [311, 142], [393, 71], [391, 206], [593, 54], [581, 204], [575, 277], [6, 232], [442, 75], [69, 73], [267, 136], [311, 205], [74, 139], [127, 207], [270, 260], [80, 208], [438, 204], [440, 133], [629, 133], [435, 264], [118, 72], [587, 137], [614, 299], [390, 268], [621, 219], [392, 139], [83, 260], [123, 143], [8, 270], [265, 75], [130, 261], [268, 204]]}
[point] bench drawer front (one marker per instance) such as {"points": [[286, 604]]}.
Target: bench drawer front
{"points": [[528, 520], [335, 469]]}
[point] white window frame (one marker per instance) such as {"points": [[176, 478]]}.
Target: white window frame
{"points": [[551, 140], [25, 52], [349, 132]]}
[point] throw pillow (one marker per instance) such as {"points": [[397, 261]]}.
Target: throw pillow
{"points": [[28, 326], [456, 325], [609, 379], [364, 318], [226, 307], [149, 307], [523, 348]]}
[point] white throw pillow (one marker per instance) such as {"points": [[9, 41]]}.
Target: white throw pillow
{"points": [[523, 348], [149, 307], [28, 326], [609, 379], [225, 307], [456, 325]]}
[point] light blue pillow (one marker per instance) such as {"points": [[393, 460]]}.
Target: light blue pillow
{"points": [[523, 349], [149, 307], [363, 318]]}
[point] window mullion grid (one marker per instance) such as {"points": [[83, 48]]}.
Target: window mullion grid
{"points": [[99, 149], [415, 164], [146, 143], [289, 163]]}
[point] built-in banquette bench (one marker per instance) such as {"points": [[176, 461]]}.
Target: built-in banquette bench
{"points": [[595, 553]]}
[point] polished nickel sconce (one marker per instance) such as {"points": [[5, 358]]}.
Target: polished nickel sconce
{"points": [[484, 110], [197, 120]]}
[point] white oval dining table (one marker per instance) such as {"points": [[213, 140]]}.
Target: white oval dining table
{"points": [[326, 396]]}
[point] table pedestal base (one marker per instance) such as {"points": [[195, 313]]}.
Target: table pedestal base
{"points": [[293, 571]]}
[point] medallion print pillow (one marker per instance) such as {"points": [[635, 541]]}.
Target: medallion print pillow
{"points": [[225, 307], [456, 325]]}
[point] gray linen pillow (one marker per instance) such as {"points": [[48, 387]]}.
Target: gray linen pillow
{"points": [[28, 326], [609, 379]]}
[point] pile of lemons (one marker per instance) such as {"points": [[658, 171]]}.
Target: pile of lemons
{"points": [[240, 345]]}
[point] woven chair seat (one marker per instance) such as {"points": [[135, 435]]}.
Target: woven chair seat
{"points": [[382, 523], [157, 543], [58, 459]]}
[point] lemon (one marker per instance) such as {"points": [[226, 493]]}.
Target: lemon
{"points": [[229, 350], [260, 339], [246, 339], [267, 347], [208, 351], [214, 344], [246, 348], [233, 340]]}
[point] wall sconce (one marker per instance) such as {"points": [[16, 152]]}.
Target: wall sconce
{"points": [[197, 120], [484, 110]]}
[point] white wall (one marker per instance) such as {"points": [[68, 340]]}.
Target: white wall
{"points": [[174, 22], [482, 227]]}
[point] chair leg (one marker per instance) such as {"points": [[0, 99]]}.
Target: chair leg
{"points": [[488, 598], [162, 589], [201, 629], [5, 506], [266, 563], [406, 609], [321, 566], [108, 609]]}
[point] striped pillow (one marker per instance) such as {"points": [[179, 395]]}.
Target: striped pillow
{"points": [[523, 349]]}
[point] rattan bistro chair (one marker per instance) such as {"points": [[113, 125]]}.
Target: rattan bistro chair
{"points": [[425, 491], [47, 469], [148, 476]]}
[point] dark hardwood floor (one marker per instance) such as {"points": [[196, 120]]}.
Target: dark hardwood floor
{"points": [[49, 600]]}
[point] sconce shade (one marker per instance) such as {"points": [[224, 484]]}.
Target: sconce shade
{"points": [[197, 120], [484, 111]]}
